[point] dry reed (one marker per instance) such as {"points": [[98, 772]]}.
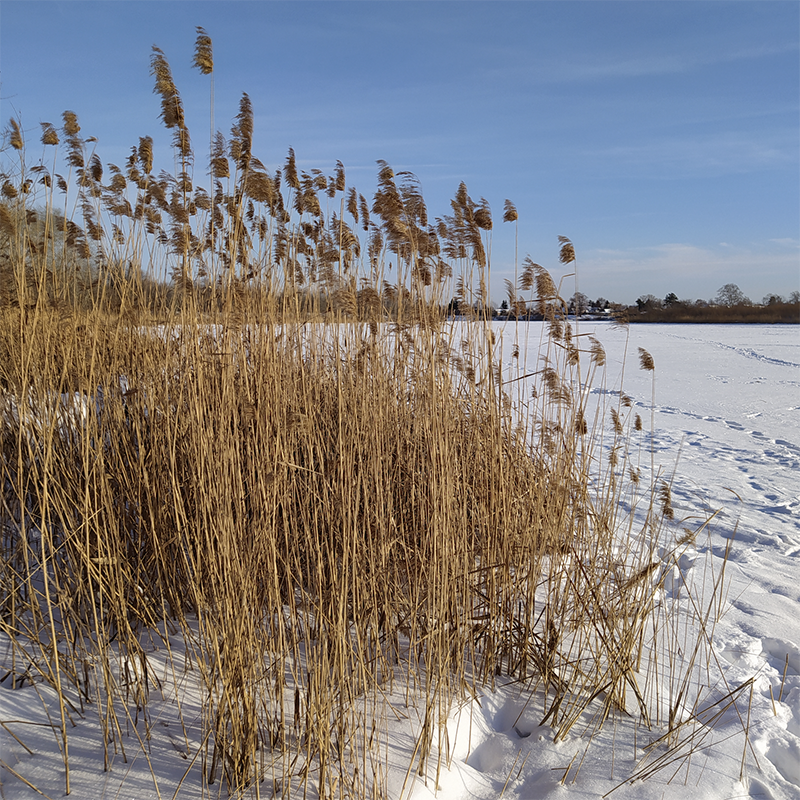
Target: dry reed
{"points": [[406, 516]]}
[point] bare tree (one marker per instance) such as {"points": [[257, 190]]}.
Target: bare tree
{"points": [[731, 295], [578, 303], [647, 302]]}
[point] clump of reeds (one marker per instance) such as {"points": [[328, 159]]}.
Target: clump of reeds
{"points": [[405, 514]]}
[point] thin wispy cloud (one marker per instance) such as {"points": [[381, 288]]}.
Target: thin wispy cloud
{"points": [[722, 153], [686, 60]]}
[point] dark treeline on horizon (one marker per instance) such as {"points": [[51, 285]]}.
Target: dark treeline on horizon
{"points": [[730, 305]]}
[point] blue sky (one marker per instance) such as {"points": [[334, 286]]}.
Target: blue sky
{"points": [[662, 137]]}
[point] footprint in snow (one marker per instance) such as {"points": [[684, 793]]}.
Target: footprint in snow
{"points": [[784, 753]]}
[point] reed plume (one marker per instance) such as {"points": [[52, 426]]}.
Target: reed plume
{"points": [[49, 134], [567, 253], [203, 54], [646, 360]]}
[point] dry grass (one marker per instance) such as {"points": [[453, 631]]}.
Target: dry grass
{"points": [[301, 466]]}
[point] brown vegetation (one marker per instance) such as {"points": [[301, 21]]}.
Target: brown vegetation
{"points": [[772, 314], [320, 507]]}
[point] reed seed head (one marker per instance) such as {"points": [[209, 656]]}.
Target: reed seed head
{"points": [[71, 126], [665, 495], [509, 212], [567, 253], [49, 134], [598, 354], [203, 55], [15, 135], [646, 360]]}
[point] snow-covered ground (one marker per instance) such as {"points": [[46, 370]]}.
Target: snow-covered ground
{"points": [[726, 419]]}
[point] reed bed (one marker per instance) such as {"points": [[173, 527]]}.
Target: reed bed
{"points": [[222, 419]]}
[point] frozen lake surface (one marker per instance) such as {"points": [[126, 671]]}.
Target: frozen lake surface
{"points": [[726, 420]]}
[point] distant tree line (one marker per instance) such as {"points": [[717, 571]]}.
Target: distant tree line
{"points": [[730, 304]]}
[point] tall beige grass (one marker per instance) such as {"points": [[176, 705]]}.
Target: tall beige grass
{"points": [[300, 464]]}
